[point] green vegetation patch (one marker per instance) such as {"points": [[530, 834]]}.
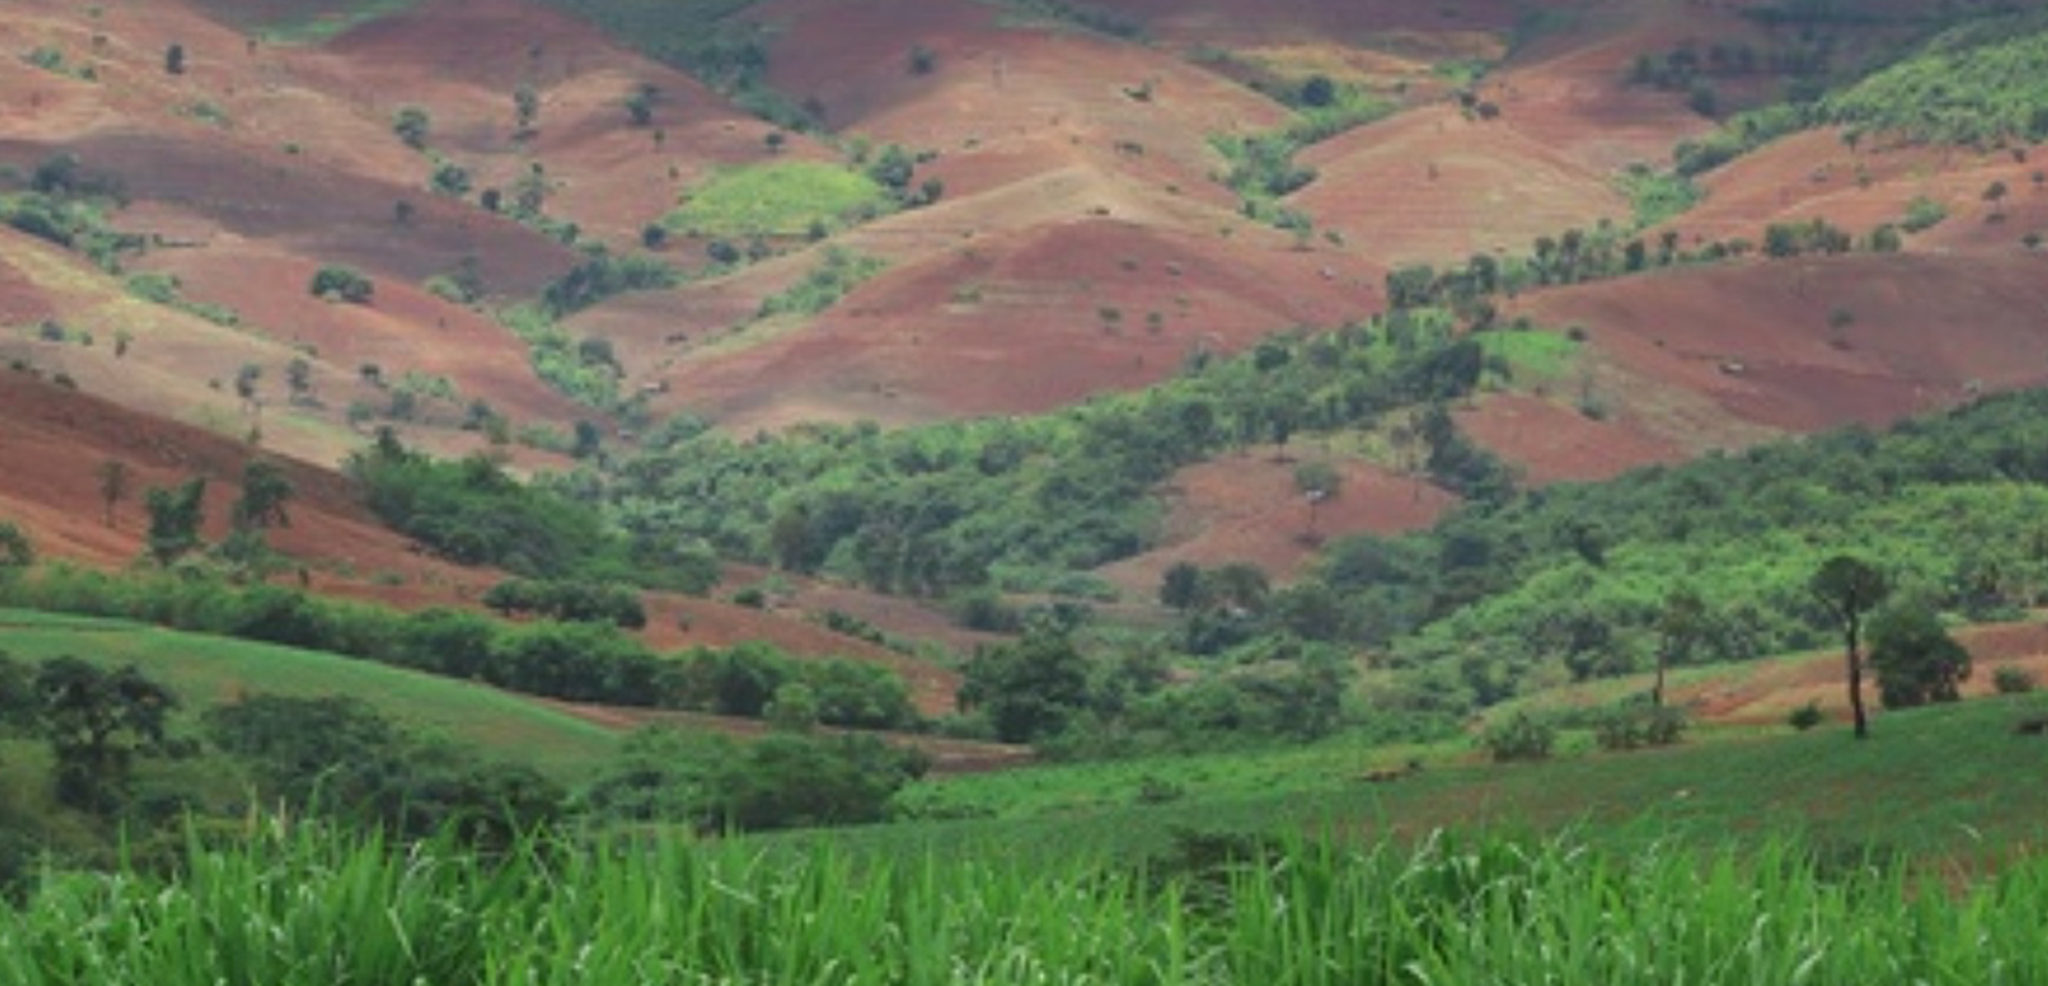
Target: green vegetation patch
{"points": [[298, 22], [1531, 355], [783, 198], [1657, 196], [204, 670], [1980, 83]]}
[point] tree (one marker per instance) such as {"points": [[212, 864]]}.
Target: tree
{"points": [[1316, 482], [1182, 587], [1679, 627], [1916, 661], [1028, 689], [298, 376], [525, 108], [174, 519], [264, 491], [113, 474], [174, 59], [245, 382], [97, 722], [334, 282], [1318, 91], [411, 124], [640, 104], [16, 553], [1848, 588]]}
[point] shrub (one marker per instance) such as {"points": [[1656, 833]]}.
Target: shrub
{"points": [[2012, 681], [342, 283], [1522, 737], [1805, 717], [1630, 727]]}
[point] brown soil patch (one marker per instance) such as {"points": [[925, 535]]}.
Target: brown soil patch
{"points": [[1020, 323], [1548, 442], [1808, 344], [1244, 507]]}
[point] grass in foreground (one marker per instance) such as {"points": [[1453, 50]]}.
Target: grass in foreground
{"points": [[205, 670], [305, 907]]}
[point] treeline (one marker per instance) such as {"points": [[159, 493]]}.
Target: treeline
{"points": [[1023, 502], [1574, 581], [471, 512], [577, 662], [1979, 83]]}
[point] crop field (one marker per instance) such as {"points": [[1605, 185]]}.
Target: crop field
{"points": [[304, 906]]}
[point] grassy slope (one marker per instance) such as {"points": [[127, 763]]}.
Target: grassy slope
{"points": [[1946, 782], [208, 670]]}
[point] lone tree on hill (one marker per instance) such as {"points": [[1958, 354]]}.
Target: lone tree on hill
{"points": [[264, 492], [174, 518], [1849, 588], [174, 59], [113, 474], [1679, 628]]}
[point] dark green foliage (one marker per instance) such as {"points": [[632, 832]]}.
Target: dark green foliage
{"points": [[1805, 717], [472, 513], [935, 509], [337, 756], [174, 519], [1916, 661], [1635, 725], [2010, 680], [602, 277], [572, 601], [571, 661], [1027, 690], [17, 553], [97, 723], [411, 124], [1573, 578], [174, 59], [781, 781], [1521, 737], [264, 492], [1848, 588], [337, 283]]}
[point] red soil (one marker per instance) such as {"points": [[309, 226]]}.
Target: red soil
{"points": [[1817, 343], [1022, 322], [1244, 507], [1548, 442], [1768, 697]]}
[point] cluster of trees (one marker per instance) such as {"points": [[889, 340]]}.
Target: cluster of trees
{"points": [[1042, 690], [1975, 83], [97, 723], [1582, 581], [935, 509], [66, 204], [785, 780], [569, 601], [580, 662]]}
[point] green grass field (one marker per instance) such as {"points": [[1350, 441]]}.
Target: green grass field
{"points": [[782, 198], [1944, 783], [1532, 357], [204, 671]]}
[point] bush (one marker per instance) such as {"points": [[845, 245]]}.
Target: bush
{"points": [[1522, 737], [1805, 717], [1633, 726], [2012, 681], [335, 282]]}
